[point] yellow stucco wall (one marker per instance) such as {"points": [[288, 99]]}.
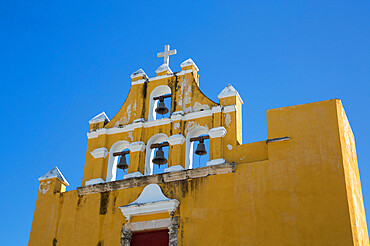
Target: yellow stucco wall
{"points": [[303, 191]]}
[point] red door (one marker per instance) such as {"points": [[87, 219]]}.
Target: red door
{"points": [[150, 238]]}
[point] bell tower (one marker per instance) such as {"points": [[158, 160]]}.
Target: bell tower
{"points": [[159, 123]]}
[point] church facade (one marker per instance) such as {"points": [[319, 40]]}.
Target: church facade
{"points": [[170, 168]]}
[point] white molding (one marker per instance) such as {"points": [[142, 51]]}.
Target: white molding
{"points": [[93, 134], [216, 109], [229, 91], [163, 68], [176, 139], [136, 146], [54, 173], [189, 62], [149, 225], [161, 77], [151, 201], [138, 82], [140, 120], [138, 73], [198, 114], [216, 162], [229, 108], [94, 181], [133, 175], [217, 132], [158, 122], [176, 116], [99, 118], [174, 169], [99, 153], [183, 72]]}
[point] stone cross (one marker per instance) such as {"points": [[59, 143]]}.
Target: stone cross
{"points": [[166, 54]]}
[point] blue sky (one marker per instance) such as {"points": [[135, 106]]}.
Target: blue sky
{"points": [[63, 62]]}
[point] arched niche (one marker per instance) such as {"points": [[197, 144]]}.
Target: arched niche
{"points": [[112, 161], [149, 155], [196, 132], [158, 91]]}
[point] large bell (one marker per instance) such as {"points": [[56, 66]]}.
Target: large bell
{"points": [[159, 158], [122, 163], [161, 109], [201, 148]]}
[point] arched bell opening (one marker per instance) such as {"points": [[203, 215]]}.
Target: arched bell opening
{"points": [[122, 163], [160, 157], [193, 160], [200, 148], [113, 160], [150, 167], [160, 103]]}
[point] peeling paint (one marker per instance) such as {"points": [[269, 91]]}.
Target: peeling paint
{"points": [[44, 187], [229, 146], [176, 125], [227, 120]]}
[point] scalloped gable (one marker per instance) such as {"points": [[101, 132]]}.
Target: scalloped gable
{"points": [[186, 97]]}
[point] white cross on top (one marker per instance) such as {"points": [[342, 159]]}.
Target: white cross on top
{"points": [[166, 54]]}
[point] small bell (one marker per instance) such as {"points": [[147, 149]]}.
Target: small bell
{"points": [[122, 163], [201, 148], [161, 109], [159, 158]]}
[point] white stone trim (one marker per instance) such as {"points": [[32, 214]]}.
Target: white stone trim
{"points": [[163, 68], [217, 132], [198, 114], [158, 122], [178, 115], [133, 175], [54, 173], [173, 169], [99, 118], [138, 82], [137, 146], [176, 139], [183, 72], [216, 109], [189, 62], [229, 91], [138, 73], [99, 153], [151, 201], [140, 120], [229, 108], [94, 181], [149, 225], [216, 162]]}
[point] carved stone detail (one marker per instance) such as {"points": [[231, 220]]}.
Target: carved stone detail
{"points": [[172, 231], [126, 236]]}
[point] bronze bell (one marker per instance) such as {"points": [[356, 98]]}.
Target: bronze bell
{"points": [[122, 163], [201, 148], [159, 158], [161, 109]]}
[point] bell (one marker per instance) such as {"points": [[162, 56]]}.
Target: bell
{"points": [[161, 109], [122, 163], [201, 148], [159, 158]]}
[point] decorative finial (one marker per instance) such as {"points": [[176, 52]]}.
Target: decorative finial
{"points": [[166, 54]]}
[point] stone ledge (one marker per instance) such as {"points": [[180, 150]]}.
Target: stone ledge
{"points": [[157, 179]]}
